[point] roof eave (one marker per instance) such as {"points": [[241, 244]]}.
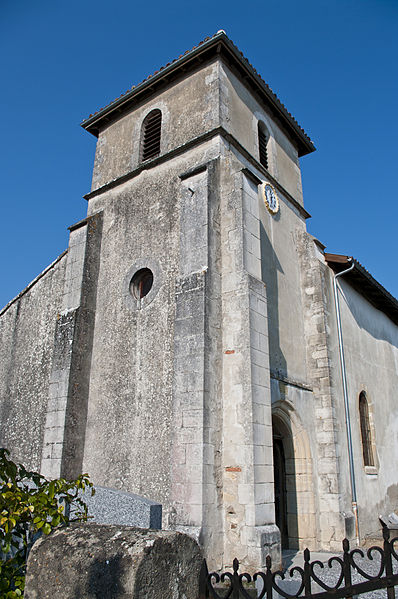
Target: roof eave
{"points": [[90, 123], [372, 290], [305, 146], [213, 46]]}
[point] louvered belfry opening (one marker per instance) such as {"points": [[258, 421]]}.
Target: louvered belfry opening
{"points": [[365, 431], [151, 131], [262, 145]]}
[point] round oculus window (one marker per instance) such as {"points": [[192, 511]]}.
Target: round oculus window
{"points": [[141, 283]]}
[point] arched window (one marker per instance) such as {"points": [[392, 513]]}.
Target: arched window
{"points": [[150, 135], [263, 138], [366, 434]]}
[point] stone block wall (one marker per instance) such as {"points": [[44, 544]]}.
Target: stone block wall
{"points": [[27, 330], [328, 419], [250, 532], [64, 432]]}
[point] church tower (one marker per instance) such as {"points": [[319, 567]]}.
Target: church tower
{"points": [[186, 347], [194, 168]]}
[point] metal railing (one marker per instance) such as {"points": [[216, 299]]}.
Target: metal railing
{"points": [[350, 576]]}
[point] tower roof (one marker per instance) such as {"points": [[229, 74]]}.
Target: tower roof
{"points": [[219, 44]]}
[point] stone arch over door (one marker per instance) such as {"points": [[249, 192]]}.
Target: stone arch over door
{"points": [[292, 455]]}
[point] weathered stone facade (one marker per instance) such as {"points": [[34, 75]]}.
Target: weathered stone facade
{"points": [[216, 393]]}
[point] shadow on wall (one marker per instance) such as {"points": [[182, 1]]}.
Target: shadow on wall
{"points": [[270, 266], [366, 316]]}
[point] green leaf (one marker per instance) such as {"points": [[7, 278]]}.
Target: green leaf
{"points": [[27, 508], [56, 520]]}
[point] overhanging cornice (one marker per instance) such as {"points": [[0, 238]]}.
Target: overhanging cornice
{"points": [[217, 46]]}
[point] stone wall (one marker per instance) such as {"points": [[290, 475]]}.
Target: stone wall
{"points": [[27, 329], [189, 109], [66, 413], [147, 363], [370, 341], [240, 114], [331, 502]]}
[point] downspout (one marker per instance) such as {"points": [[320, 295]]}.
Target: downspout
{"points": [[346, 406]]}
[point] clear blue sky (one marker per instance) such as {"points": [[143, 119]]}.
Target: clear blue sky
{"points": [[333, 64]]}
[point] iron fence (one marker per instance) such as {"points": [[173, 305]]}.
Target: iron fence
{"points": [[352, 574]]}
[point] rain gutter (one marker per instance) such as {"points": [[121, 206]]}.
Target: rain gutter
{"points": [[345, 394]]}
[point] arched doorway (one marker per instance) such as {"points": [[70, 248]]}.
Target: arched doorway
{"points": [[284, 483], [294, 490], [280, 489]]}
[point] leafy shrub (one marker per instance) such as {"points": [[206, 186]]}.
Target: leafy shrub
{"points": [[31, 505]]}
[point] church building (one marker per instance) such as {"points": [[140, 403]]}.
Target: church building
{"points": [[195, 345]]}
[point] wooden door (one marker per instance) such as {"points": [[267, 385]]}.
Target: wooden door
{"points": [[280, 491]]}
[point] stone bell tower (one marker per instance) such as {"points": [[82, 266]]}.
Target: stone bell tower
{"points": [[185, 346], [179, 405], [158, 335]]}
